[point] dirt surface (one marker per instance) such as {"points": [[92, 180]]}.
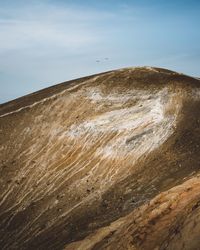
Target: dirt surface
{"points": [[109, 161]]}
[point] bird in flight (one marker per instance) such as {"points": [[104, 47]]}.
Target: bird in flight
{"points": [[98, 61]]}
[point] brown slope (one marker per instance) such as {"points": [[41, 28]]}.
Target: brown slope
{"points": [[169, 221], [77, 157]]}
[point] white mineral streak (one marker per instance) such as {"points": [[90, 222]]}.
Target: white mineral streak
{"points": [[143, 122], [50, 98], [85, 134]]}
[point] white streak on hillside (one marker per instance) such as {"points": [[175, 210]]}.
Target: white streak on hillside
{"points": [[49, 98], [140, 128]]}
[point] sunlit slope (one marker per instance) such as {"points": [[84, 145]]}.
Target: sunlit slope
{"points": [[109, 161]]}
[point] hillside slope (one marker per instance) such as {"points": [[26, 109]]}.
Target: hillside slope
{"points": [[109, 161]]}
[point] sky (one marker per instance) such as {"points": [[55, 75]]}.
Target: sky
{"points": [[44, 42]]}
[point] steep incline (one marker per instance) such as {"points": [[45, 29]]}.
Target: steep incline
{"points": [[109, 161]]}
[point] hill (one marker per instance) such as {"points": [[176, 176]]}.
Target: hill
{"points": [[109, 161]]}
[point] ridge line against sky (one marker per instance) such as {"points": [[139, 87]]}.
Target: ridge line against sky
{"points": [[46, 42]]}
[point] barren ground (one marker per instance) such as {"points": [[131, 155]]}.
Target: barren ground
{"points": [[109, 161]]}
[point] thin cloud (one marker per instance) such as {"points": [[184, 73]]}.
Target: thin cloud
{"points": [[43, 42], [50, 26]]}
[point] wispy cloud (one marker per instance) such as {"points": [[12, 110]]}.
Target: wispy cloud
{"points": [[46, 25], [43, 42]]}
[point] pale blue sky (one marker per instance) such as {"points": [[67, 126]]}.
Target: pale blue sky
{"points": [[46, 42]]}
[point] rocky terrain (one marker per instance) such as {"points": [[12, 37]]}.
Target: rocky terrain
{"points": [[109, 161]]}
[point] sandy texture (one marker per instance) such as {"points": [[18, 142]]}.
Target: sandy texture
{"points": [[109, 161]]}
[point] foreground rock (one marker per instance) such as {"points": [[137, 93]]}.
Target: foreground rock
{"points": [[109, 161]]}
